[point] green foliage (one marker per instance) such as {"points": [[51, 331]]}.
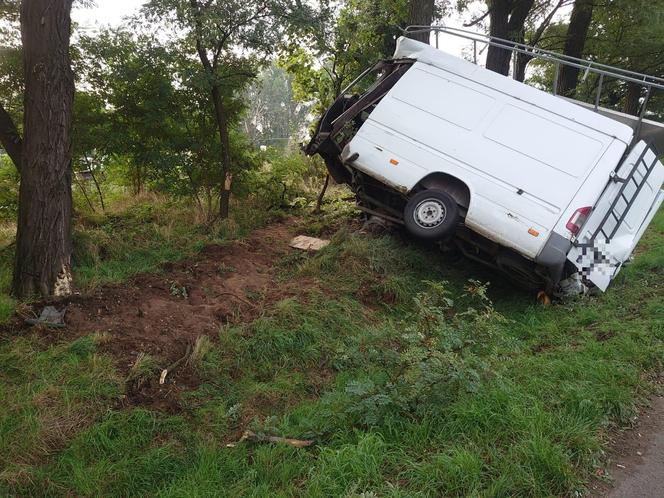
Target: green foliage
{"points": [[273, 116], [437, 359], [283, 177], [7, 306], [329, 54], [623, 33], [9, 182]]}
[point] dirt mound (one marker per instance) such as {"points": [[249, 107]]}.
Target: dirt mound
{"points": [[162, 314]]}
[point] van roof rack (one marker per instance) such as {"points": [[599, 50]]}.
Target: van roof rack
{"points": [[643, 128]]}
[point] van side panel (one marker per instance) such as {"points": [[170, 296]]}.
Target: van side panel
{"points": [[494, 218], [522, 164]]}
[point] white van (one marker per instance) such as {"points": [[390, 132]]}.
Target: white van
{"points": [[525, 181]]}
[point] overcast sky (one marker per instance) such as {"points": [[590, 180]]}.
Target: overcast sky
{"points": [[105, 12], [111, 12]]}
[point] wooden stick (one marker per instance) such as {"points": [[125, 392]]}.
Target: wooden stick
{"points": [[177, 363]]}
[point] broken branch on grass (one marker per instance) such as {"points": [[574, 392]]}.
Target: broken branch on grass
{"points": [[177, 363], [263, 438]]}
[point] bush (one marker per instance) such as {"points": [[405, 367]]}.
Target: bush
{"points": [[283, 179], [9, 181], [439, 358]]}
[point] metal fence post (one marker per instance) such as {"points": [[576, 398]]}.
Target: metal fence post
{"points": [[599, 91]]}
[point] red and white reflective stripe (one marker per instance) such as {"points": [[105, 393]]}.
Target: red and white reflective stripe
{"points": [[577, 220]]}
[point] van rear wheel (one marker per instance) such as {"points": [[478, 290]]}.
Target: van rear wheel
{"points": [[431, 214]]}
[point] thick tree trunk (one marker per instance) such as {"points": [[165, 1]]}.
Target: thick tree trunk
{"points": [[420, 12], [507, 21], [498, 59], [10, 138], [575, 41], [43, 246]]}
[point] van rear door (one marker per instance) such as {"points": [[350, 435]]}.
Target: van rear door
{"points": [[620, 216]]}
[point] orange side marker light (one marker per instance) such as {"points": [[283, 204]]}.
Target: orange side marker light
{"points": [[533, 232], [394, 161]]}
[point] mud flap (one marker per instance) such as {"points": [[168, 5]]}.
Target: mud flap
{"points": [[620, 217]]}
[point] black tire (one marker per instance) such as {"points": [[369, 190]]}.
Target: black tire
{"points": [[431, 214]]}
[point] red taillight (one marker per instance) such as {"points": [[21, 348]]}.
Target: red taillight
{"points": [[577, 220]]}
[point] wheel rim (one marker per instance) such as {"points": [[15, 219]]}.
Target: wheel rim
{"points": [[429, 213]]}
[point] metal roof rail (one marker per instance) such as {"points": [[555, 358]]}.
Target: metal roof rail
{"points": [[540, 53], [602, 70]]}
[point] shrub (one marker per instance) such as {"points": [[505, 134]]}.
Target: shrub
{"points": [[283, 179], [438, 357], [9, 181]]}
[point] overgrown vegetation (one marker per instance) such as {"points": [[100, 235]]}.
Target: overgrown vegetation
{"points": [[411, 376], [411, 373]]}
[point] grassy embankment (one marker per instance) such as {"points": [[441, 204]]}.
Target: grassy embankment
{"points": [[410, 378]]}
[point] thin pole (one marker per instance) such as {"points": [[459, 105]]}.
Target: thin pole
{"points": [[599, 91], [642, 114]]}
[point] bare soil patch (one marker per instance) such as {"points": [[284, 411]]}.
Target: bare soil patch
{"points": [[636, 458], [161, 314]]}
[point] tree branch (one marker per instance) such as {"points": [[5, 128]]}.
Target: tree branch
{"points": [[10, 139], [477, 20]]}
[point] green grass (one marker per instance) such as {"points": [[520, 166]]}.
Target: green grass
{"points": [[47, 393], [7, 306], [411, 378], [134, 236]]}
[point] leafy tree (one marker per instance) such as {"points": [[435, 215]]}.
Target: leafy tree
{"points": [[147, 103], [91, 132], [329, 54], [230, 40], [273, 116], [133, 76], [628, 34], [538, 21], [623, 33], [520, 21]]}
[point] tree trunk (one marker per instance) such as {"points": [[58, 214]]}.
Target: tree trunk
{"points": [[575, 41], [498, 59], [319, 201], [222, 125], [632, 99], [43, 240], [101, 196], [507, 21], [420, 12], [10, 138], [521, 60]]}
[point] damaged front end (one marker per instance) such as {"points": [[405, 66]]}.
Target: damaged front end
{"points": [[345, 116]]}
